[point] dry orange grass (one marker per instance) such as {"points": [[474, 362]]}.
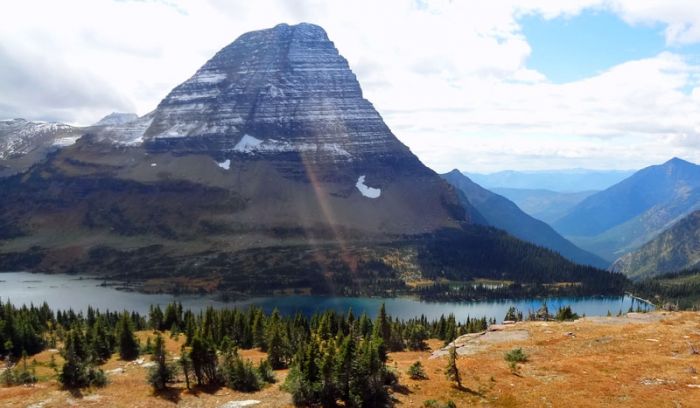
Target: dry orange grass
{"points": [[589, 363]]}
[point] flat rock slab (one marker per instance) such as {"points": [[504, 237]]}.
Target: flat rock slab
{"points": [[240, 404], [476, 342], [627, 318]]}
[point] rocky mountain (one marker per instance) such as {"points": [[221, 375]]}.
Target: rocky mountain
{"points": [[564, 181], [117, 118], [266, 170], [632, 212], [545, 205], [673, 250], [23, 142], [502, 213]]}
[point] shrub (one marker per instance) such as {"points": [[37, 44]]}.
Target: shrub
{"points": [[238, 375], [431, 403], [96, 377], [516, 356], [265, 372], [416, 372]]}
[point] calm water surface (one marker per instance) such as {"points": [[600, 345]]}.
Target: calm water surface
{"points": [[67, 291]]}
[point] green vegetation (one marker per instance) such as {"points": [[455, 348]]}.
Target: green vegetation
{"points": [[452, 371], [565, 313], [79, 368], [514, 357], [431, 403], [18, 374], [513, 315], [416, 371], [128, 345], [162, 373], [334, 358], [678, 290]]}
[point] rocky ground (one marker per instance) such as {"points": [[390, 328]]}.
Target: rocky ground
{"points": [[640, 360]]}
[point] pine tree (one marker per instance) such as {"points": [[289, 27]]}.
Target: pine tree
{"points": [[259, 330], [382, 327], [450, 329], [78, 371], [186, 364], [204, 360], [328, 390], [276, 346], [452, 371], [101, 341], [155, 318], [343, 367], [128, 345], [162, 373]]}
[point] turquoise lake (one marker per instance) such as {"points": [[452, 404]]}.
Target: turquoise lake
{"points": [[68, 291]]}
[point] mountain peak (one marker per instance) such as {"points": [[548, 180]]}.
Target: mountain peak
{"points": [[117, 118], [286, 87], [676, 161]]}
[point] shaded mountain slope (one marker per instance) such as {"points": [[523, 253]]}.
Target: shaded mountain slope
{"points": [[632, 212], [502, 213], [675, 249]]}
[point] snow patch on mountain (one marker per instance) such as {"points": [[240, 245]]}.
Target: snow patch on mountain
{"points": [[251, 145], [247, 144], [367, 191], [209, 77], [226, 164], [66, 141]]}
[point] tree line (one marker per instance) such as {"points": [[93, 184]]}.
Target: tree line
{"points": [[333, 357]]}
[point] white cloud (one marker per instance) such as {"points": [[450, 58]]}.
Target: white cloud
{"points": [[681, 17], [450, 78]]}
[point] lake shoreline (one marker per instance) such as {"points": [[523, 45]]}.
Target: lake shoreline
{"points": [[78, 292]]}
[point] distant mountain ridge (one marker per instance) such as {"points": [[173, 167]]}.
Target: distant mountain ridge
{"points": [[676, 249], [501, 213], [545, 205], [565, 180], [23, 142], [632, 212]]}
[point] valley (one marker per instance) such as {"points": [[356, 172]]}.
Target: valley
{"points": [[258, 235]]}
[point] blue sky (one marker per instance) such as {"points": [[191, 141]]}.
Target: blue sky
{"points": [[487, 86], [569, 48]]}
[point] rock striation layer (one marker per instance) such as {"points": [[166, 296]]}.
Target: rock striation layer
{"points": [[288, 90]]}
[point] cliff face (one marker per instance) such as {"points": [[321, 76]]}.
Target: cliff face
{"points": [[287, 88]]}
